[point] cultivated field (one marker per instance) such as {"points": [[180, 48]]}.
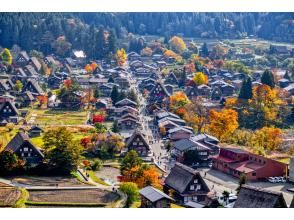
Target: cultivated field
{"points": [[8, 196], [47, 181], [73, 196]]}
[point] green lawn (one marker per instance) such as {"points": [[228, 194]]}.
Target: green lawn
{"points": [[96, 179]]}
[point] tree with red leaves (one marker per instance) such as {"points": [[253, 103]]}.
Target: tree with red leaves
{"points": [[98, 119]]}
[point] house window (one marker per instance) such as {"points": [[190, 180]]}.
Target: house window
{"points": [[198, 187], [192, 187], [253, 174], [29, 154], [25, 149], [141, 143], [185, 199], [22, 154], [195, 198], [196, 181]]}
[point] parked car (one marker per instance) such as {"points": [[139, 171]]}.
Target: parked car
{"points": [[282, 179], [272, 180]]}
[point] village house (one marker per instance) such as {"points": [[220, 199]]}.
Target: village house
{"points": [[22, 59], [33, 86], [179, 133], [36, 64], [126, 102], [128, 123], [235, 161], [252, 197], [182, 146], [35, 131], [4, 88], [30, 71], [24, 149], [137, 141], [154, 198], [158, 93], [8, 112], [186, 185], [171, 79], [133, 56]]}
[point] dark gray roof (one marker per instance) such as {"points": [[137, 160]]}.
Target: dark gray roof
{"points": [[12, 105], [18, 140], [136, 134], [153, 194], [126, 101], [252, 197], [184, 144], [179, 177]]}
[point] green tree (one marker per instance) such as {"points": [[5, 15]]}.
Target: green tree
{"points": [[100, 128], [204, 50], [246, 89], [115, 127], [133, 96], [132, 191], [242, 181], [8, 161], [96, 165], [62, 152], [6, 56], [191, 157], [114, 94], [267, 78], [131, 160], [18, 85], [287, 76], [97, 93]]}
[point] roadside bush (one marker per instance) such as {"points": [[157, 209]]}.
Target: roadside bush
{"points": [[96, 165], [132, 191]]}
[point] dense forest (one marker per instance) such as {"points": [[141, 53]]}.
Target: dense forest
{"points": [[88, 31]]}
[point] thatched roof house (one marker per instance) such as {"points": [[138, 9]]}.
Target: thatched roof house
{"points": [[252, 197]]}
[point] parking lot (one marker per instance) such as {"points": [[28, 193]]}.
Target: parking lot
{"points": [[218, 182]]}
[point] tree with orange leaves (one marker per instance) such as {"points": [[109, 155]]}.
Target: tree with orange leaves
{"points": [[43, 100], [170, 53], [223, 123], [146, 52], [143, 176], [190, 67]]}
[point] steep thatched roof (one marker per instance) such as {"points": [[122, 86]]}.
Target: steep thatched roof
{"points": [[252, 197]]}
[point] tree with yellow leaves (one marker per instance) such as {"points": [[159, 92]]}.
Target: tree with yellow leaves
{"points": [[267, 138], [197, 115], [265, 105], [177, 44], [121, 56], [6, 56], [223, 123], [200, 78]]}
